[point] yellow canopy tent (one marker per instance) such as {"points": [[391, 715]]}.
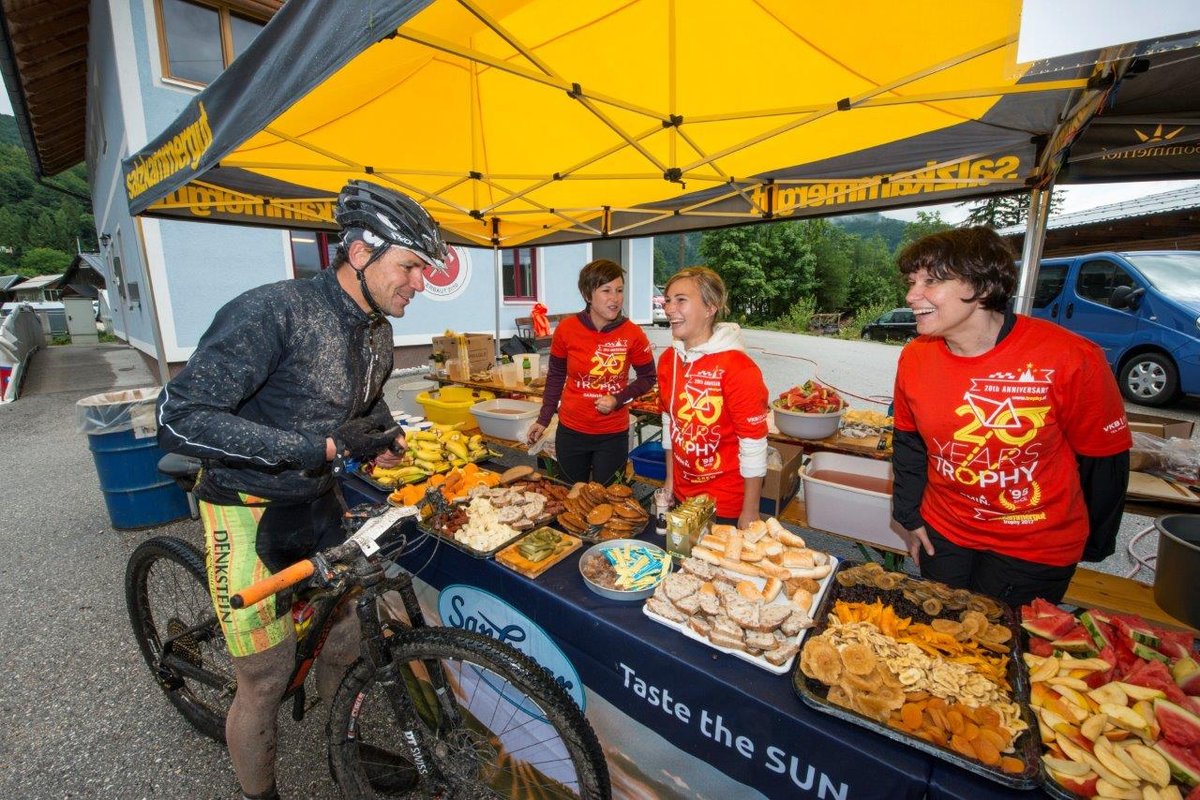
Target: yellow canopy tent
{"points": [[519, 122]]}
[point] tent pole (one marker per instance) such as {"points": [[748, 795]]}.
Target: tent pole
{"points": [[499, 295], [1031, 249]]}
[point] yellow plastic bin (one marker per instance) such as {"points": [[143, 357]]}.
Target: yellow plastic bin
{"points": [[452, 404]]}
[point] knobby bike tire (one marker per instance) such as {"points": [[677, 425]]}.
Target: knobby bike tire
{"points": [[166, 592], [361, 715]]}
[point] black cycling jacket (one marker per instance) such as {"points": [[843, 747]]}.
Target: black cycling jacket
{"points": [[279, 369]]}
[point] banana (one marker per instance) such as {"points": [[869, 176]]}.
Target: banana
{"points": [[445, 427], [475, 442], [432, 466], [427, 450], [458, 448], [427, 436]]}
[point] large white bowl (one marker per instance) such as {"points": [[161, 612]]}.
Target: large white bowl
{"points": [[802, 425]]}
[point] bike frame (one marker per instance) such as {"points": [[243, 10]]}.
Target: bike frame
{"points": [[362, 582]]}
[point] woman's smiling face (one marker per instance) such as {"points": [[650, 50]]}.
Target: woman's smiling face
{"points": [[690, 318], [941, 305]]}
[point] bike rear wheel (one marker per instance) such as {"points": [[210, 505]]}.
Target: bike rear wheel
{"points": [[522, 734], [166, 592]]}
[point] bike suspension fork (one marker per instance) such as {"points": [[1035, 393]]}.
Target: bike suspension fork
{"points": [[391, 676]]}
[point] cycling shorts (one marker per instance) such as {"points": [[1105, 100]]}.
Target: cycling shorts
{"points": [[247, 543]]}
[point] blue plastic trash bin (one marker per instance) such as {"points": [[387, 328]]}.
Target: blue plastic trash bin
{"points": [[122, 435]]}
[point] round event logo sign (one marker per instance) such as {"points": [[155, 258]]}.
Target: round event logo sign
{"points": [[451, 280], [473, 609]]}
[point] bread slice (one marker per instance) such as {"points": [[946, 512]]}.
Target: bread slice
{"points": [[780, 655], [664, 609]]}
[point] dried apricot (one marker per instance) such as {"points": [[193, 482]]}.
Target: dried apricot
{"points": [[1012, 765], [995, 737], [910, 715], [970, 731], [987, 716], [938, 736], [961, 745], [986, 752], [954, 721]]}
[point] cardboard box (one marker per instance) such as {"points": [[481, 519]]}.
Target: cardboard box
{"points": [[481, 349], [1162, 427], [780, 484]]}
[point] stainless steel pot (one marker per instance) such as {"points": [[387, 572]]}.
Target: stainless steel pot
{"points": [[1177, 571]]}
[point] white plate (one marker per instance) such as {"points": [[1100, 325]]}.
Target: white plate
{"points": [[757, 661]]}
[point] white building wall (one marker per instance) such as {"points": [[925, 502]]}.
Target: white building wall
{"points": [[194, 268]]}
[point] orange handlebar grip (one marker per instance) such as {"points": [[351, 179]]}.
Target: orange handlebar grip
{"points": [[279, 581]]}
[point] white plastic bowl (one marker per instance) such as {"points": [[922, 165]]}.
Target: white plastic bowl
{"points": [[802, 425]]}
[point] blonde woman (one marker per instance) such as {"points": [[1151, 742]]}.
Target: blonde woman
{"points": [[714, 401]]}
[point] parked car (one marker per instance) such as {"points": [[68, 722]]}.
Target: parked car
{"points": [[658, 314], [899, 323], [1143, 309]]}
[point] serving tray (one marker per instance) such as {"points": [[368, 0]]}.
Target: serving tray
{"points": [[758, 661], [1026, 746], [511, 557]]}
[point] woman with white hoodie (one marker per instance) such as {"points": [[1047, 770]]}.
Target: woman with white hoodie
{"points": [[714, 401]]}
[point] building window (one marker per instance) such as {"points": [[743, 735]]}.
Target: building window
{"points": [[200, 39], [312, 251], [519, 267]]}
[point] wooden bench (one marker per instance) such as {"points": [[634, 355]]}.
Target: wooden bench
{"points": [[525, 329]]}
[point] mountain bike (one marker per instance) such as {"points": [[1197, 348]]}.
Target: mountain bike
{"points": [[426, 711]]}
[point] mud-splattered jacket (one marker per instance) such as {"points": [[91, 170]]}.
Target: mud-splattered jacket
{"points": [[279, 369]]}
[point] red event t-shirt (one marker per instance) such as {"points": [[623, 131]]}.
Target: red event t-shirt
{"points": [[598, 364], [712, 402], [1002, 430]]}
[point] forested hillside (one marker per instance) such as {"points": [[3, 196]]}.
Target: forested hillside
{"points": [[40, 228]]}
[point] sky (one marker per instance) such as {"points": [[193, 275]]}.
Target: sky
{"points": [[1076, 198]]}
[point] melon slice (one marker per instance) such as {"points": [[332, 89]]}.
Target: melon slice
{"points": [[1178, 725]]}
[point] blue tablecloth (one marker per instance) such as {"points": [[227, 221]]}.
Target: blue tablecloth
{"points": [[648, 672]]}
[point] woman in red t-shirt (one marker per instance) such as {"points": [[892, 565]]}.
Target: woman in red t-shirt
{"points": [[1011, 448], [587, 381], [714, 401]]}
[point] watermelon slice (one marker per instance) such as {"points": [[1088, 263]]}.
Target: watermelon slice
{"points": [[1185, 766], [1177, 723], [1098, 627], [1175, 644], [1136, 629], [1040, 647], [1041, 608], [1148, 653], [1154, 675], [1053, 627], [1076, 640]]}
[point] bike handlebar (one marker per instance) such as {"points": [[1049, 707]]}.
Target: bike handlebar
{"points": [[257, 592]]}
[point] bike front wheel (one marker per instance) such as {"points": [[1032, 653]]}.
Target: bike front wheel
{"points": [[171, 611], [519, 733]]}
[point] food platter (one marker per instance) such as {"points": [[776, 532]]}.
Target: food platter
{"points": [[759, 660], [1006, 707], [512, 558], [506, 500]]}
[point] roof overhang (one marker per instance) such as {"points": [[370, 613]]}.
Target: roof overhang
{"points": [[43, 56]]}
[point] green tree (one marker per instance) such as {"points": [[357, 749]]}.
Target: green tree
{"points": [[1002, 211], [44, 261], [874, 279], [927, 222], [831, 246]]}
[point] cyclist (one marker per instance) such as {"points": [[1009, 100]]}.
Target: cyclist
{"points": [[287, 376]]}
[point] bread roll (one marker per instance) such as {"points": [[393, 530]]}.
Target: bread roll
{"points": [[755, 530], [802, 599], [733, 547], [740, 567], [771, 590], [771, 547], [724, 531], [749, 591], [705, 554], [816, 573], [797, 558], [788, 538]]}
